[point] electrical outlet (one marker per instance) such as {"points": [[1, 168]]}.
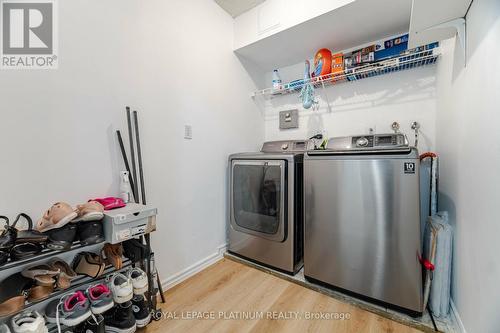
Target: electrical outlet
{"points": [[188, 132]]}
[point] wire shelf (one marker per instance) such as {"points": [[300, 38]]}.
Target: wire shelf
{"points": [[396, 64]]}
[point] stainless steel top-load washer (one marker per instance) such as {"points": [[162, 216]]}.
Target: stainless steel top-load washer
{"points": [[362, 219], [265, 205]]}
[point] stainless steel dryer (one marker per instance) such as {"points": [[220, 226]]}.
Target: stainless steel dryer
{"points": [[265, 205], [362, 218]]}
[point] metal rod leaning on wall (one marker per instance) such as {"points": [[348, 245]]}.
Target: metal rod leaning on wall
{"points": [[132, 155]]}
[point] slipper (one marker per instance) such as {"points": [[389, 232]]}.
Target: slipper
{"points": [[90, 211], [57, 216], [66, 273], [111, 202], [42, 274]]}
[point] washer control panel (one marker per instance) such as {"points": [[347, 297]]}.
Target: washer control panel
{"points": [[368, 142]]}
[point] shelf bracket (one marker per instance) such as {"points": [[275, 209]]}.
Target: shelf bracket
{"points": [[459, 25]]}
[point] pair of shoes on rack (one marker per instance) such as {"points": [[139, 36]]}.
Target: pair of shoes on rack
{"points": [[63, 224], [113, 254], [56, 273], [13, 291], [76, 307], [89, 264], [28, 322], [125, 286], [19, 244], [127, 317]]}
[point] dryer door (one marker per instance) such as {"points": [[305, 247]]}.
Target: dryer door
{"points": [[258, 198]]}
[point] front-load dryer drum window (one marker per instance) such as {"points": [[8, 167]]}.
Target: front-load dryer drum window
{"points": [[257, 191]]}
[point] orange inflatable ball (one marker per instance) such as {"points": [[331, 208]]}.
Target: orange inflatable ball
{"points": [[322, 63]]}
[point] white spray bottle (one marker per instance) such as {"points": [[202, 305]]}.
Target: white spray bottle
{"points": [[125, 189]]}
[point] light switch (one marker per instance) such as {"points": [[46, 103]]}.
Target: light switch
{"points": [[188, 132]]}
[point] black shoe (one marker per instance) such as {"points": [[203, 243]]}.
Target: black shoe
{"points": [[8, 236], [90, 232], [120, 319], [141, 310], [62, 238], [91, 325]]}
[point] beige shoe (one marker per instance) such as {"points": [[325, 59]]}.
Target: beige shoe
{"points": [[90, 211], [57, 216]]}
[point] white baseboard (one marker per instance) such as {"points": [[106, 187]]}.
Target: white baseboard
{"points": [[177, 278], [456, 317]]}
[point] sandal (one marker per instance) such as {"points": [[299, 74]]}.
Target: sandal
{"points": [[66, 273], [24, 250], [42, 274], [89, 264], [29, 235], [57, 216], [90, 211]]}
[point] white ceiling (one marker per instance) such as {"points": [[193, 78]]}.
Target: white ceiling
{"points": [[237, 7]]}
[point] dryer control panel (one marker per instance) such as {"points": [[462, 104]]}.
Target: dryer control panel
{"points": [[286, 146]]}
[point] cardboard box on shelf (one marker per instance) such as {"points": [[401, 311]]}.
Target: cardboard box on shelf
{"points": [[337, 66]]}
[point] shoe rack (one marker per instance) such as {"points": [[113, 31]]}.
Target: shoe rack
{"points": [[80, 282]]}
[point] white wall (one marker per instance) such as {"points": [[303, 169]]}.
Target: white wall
{"points": [[468, 143], [357, 106], [171, 60]]}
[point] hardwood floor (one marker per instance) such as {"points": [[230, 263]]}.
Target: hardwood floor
{"points": [[212, 300]]}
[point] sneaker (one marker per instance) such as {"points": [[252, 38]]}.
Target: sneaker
{"points": [[94, 324], [120, 319], [74, 309], [121, 288], [140, 308], [139, 280], [100, 298], [29, 322]]}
